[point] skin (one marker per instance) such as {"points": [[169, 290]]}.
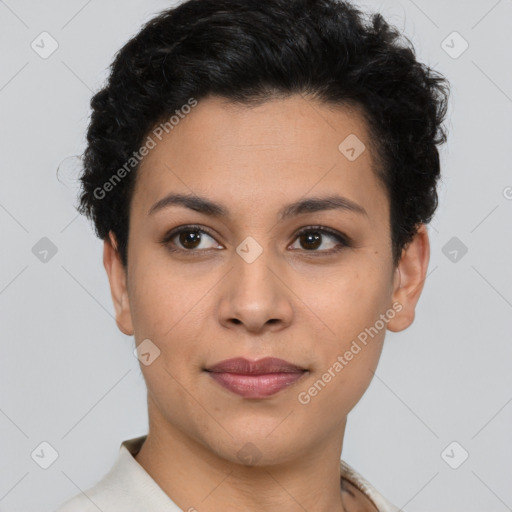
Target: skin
{"points": [[295, 301]]}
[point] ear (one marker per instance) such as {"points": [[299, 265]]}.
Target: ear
{"points": [[409, 278], [117, 279]]}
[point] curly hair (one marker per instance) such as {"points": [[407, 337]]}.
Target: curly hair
{"points": [[250, 51]]}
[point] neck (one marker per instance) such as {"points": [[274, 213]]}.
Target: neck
{"points": [[197, 478]]}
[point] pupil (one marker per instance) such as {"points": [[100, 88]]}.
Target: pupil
{"points": [[313, 238], [188, 238]]}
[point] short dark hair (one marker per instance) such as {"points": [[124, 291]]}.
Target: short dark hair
{"points": [[250, 51]]}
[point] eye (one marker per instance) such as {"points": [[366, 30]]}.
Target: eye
{"points": [[312, 237], [189, 238], [195, 239]]}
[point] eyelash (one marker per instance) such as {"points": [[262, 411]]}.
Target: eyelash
{"points": [[343, 240]]}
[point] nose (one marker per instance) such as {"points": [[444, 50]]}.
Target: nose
{"points": [[255, 296]]}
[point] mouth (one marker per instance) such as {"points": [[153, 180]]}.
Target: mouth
{"points": [[255, 379]]}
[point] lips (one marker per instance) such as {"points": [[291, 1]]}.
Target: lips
{"points": [[255, 379], [262, 366]]}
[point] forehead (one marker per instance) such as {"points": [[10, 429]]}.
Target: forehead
{"points": [[280, 149]]}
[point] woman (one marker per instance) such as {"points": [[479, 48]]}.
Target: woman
{"points": [[261, 173]]}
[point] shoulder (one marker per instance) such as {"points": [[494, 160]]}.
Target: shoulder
{"points": [[113, 492], [106, 495], [127, 487], [368, 497]]}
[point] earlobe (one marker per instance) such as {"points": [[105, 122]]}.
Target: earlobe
{"points": [[409, 279], [118, 289]]}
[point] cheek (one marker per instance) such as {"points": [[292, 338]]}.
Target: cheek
{"points": [[349, 301], [172, 312], [345, 373], [162, 303], [168, 311], [351, 305]]}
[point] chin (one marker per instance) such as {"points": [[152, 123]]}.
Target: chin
{"points": [[257, 445]]}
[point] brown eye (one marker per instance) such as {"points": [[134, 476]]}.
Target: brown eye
{"points": [[311, 240], [313, 237], [189, 239]]}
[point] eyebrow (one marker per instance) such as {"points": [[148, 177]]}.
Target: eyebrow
{"points": [[308, 205]]}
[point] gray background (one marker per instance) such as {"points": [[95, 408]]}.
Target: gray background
{"points": [[69, 377]]}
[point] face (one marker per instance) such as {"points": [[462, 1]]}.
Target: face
{"points": [[254, 276]]}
